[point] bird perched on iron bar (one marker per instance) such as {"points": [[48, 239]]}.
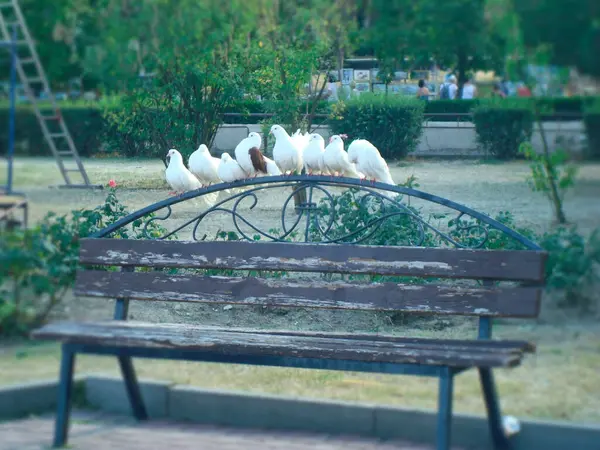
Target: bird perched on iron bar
{"points": [[287, 152], [335, 159], [368, 160]]}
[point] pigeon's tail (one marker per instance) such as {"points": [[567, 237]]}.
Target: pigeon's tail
{"points": [[388, 179], [207, 200], [351, 172]]}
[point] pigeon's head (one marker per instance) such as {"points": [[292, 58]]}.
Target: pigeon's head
{"points": [[203, 148], [336, 139], [173, 155], [255, 139], [277, 131], [225, 157], [316, 137]]}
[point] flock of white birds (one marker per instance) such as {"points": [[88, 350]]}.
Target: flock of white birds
{"points": [[290, 155]]}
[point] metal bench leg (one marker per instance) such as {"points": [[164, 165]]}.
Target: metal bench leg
{"points": [[501, 442], [133, 388], [444, 425], [65, 389]]}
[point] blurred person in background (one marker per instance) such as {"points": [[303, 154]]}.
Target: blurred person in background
{"points": [[469, 90], [423, 92], [498, 92]]}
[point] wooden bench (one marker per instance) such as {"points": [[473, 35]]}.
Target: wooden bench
{"points": [[443, 358]]}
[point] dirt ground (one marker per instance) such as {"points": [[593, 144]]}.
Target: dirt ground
{"points": [[560, 381]]}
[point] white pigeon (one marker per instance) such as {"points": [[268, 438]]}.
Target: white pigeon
{"points": [[335, 159], [205, 166], [178, 176], [368, 160], [300, 139], [287, 153], [182, 180], [230, 170], [313, 154], [242, 153]]}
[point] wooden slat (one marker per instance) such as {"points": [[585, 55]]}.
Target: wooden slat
{"points": [[501, 345], [231, 342], [360, 259], [427, 298]]}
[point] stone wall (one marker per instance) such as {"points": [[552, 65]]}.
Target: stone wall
{"points": [[440, 139]]}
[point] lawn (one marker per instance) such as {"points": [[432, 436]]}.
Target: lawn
{"points": [[561, 381]]}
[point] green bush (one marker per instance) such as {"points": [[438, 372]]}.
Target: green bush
{"points": [[37, 265], [86, 125], [592, 129], [502, 127], [393, 124], [572, 265], [453, 107]]}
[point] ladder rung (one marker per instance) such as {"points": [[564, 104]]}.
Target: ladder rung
{"points": [[6, 5], [72, 170], [34, 80], [57, 135], [51, 117], [10, 24], [66, 153], [27, 60]]}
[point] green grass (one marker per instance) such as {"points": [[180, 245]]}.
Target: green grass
{"points": [[560, 382]]}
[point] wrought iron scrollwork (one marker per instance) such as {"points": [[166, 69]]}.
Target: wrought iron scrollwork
{"points": [[334, 210]]}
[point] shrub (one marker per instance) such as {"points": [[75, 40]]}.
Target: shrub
{"points": [[37, 265], [502, 127], [592, 129], [453, 107], [393, 124], [85, 124], [572, 265]]}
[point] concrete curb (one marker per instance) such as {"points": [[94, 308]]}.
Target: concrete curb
{"points": [[20, 400], [244, 410]]}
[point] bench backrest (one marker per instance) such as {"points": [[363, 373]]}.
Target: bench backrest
{"points": [[257, 288]]}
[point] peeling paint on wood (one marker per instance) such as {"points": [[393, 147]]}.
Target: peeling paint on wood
{"points": [[428, 298], [232, 342], [361, 259]]}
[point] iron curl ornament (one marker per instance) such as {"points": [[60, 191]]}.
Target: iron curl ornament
{"points": [[332, 210]]}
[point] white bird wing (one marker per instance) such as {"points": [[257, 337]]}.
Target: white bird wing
{"points": [[376, 167], [313, 156], [231, 171], [287, 155], [301, 140], [204, 167], [272, 168], [243, 157], [346, 167]]}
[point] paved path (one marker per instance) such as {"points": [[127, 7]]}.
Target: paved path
{"points": [[98, 431]]}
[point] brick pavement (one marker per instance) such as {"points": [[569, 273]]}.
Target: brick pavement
{"points": [[98, 431]]}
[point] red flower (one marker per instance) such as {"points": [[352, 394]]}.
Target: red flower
{"points": [[112, 183]]}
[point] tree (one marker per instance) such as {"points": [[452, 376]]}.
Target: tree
{"points": [[567, 33], [459, 34], [197, 53]]}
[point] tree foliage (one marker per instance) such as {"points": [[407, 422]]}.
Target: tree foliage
{"points": [[566, 32]]}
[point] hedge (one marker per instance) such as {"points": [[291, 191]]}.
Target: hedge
{"points": [[393, 124], [502, 127], [89, 129], [591, 120], [86, 125]]}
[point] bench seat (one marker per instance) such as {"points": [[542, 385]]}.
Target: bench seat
{"points": [[260, 343]]}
